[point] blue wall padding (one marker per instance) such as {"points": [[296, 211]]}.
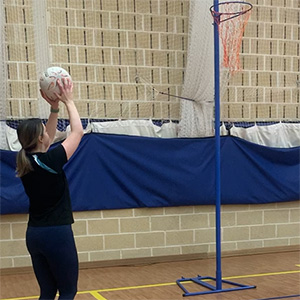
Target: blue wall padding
{"points": [[118, 171]]}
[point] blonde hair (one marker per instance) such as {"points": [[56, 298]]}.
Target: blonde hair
{"points": [[28, 133]]}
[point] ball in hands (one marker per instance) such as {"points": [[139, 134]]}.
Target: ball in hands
{"points": [[48, 81]]}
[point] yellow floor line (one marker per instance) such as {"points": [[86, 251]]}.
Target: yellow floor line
{"points": [[97, 296], [262, 274], [125, 288], [22, 298], [173, 283]]}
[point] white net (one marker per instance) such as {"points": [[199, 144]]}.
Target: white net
{"points": [[197, 117], [41, 45], [262, 87], [104, 45], [131, 59], [266, 90], [2, 81]]}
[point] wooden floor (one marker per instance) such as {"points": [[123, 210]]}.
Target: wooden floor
{"points": [[276, 276]]}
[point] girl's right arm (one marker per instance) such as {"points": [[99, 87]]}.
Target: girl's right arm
{"points": [[71, 143]]}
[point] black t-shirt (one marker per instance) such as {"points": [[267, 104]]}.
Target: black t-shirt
{"points": [[47, 189]]}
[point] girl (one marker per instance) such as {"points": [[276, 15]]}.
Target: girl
{"points": [[49, 236]]}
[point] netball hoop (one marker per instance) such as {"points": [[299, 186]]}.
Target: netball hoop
{"points": [[230, 19]]}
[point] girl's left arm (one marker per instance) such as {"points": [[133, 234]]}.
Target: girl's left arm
{"points": [[52, 120]]}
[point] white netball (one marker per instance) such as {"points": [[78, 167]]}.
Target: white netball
{"points": [[48, 81]]}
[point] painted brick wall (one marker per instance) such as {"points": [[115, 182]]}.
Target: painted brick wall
{"points": [[154, 232]]}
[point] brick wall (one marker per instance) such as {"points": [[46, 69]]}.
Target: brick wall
{"points": [[104, 44], [267, 89], [156, 232]]}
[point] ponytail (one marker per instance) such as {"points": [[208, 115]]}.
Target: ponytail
{"points": [[23, 164], [28, 134]]}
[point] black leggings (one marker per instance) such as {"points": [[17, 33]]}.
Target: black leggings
{"points": [[54, 259]]}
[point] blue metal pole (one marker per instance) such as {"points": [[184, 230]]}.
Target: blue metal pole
{"points": [[217, 153], [218, 279]]}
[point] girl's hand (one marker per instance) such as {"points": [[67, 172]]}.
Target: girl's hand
{"points": [[66, 90], [53, 103]]}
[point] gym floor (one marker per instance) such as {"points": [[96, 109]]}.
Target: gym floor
{"points": [[276, 276]]}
